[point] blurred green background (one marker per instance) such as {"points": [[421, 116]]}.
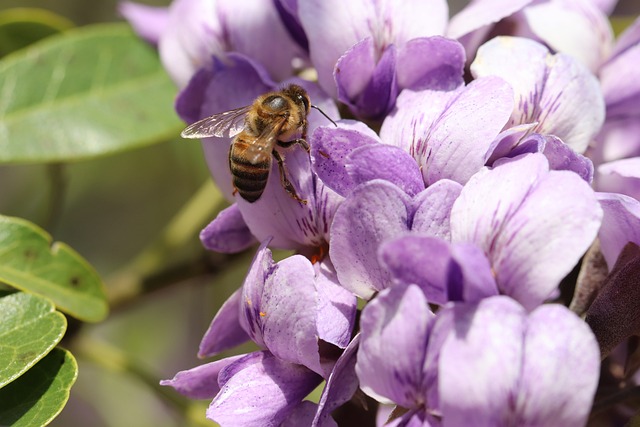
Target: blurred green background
{"points": [[111, 210]]}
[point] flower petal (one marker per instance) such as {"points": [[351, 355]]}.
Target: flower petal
{"points": [[620, 85], [562, 157], [549, 393], [620, 176], [200, 382], [149, 22], [554, 90], [620, 224], [374, 211], [330, 147], [252, 293], [225, 331], [479, 14], [228, 233], [549, 218], [394, 327], [433, 209], [433, 63], [260, 390], [388, 162], [303, 415], [449, 133], [467, 369]]}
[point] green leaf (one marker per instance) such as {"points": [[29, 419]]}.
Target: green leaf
{"points": [[87, 92], [29, 328], [30, 262], [20, 27], [38, 396]]}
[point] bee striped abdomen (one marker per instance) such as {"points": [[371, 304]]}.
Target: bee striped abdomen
{"points": [[250, 179]]}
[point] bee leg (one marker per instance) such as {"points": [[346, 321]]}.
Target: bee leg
{"points": [[286, 184], [301, 141]]}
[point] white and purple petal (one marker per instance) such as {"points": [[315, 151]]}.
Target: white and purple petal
{"points": [[149, 22], [620, 176], [260, 390], [432, 209]]}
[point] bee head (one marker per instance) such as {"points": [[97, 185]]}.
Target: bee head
{"points": [[299, 96]]}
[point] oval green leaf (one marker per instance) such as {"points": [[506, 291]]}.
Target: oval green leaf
{"points": [[20, 27], [29, 328], [39, 395], [30, 262], [87, 92]]}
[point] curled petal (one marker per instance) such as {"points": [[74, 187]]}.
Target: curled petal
{"points": [[225, 331], [394, 326], [228, 233], [260, 390], [200, 382]]}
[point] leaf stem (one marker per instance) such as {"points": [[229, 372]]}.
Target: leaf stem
{"points": [[58, 190]]}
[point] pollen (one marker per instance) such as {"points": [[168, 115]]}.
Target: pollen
{"points": [[262, 314]]}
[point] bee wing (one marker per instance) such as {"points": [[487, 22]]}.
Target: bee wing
{"points": [[230, 123], [266, 140]]}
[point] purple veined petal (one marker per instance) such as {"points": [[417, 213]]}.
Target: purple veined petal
{"points": [[288, 10], [549, 393], [506, 141], [620, 86], [574, 27], [620, 224], [374, 212], [414, 418], [215, 89], [252, 293], [433, 209], [394, 327], [330, 147], [554, 90], [620, 176], [388, 162], [450, 139], [260, 390], [523, 215], [149, 22], [433, 63], [225, 331], [200, 382], [303, 415], [445, 272], [266, 31], [337, 309], [480, 14], [341, 384], [292, 312], [467, 369], [227, 233], [366, 79], [562, 157], [387, 22]]}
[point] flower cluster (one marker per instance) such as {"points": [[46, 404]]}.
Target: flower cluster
{"points": [[474, 163]]}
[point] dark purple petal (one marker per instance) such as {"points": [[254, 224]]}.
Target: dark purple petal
{"points": [[562, 157], [433, 209], [228, 233], [620, 176], [549, 393], [613, 316], [330, 147], [260, 390], [388, 162], [488, 380], [200, 382], [556, 91], [225, 331], [374, 212], [522, 215], [148, 22], [366, 81], [506, 141], [620, 224], [449, 133], [443, 271], [394, 327], [433, 63], [341, 384]]}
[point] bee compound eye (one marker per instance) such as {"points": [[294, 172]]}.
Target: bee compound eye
{"points": [[304, 101], [276, 102]]}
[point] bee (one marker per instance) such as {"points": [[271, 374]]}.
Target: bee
{"points": [[277, 118]]}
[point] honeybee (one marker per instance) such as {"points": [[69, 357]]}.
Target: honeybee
{"points": [[275, 118]]}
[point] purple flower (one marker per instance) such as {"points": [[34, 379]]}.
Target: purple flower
{"points": [[149, 22], [554, 91], [575, 27], [367, 52]]}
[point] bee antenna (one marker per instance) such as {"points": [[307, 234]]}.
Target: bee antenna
{"points": [[324, 114]]}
